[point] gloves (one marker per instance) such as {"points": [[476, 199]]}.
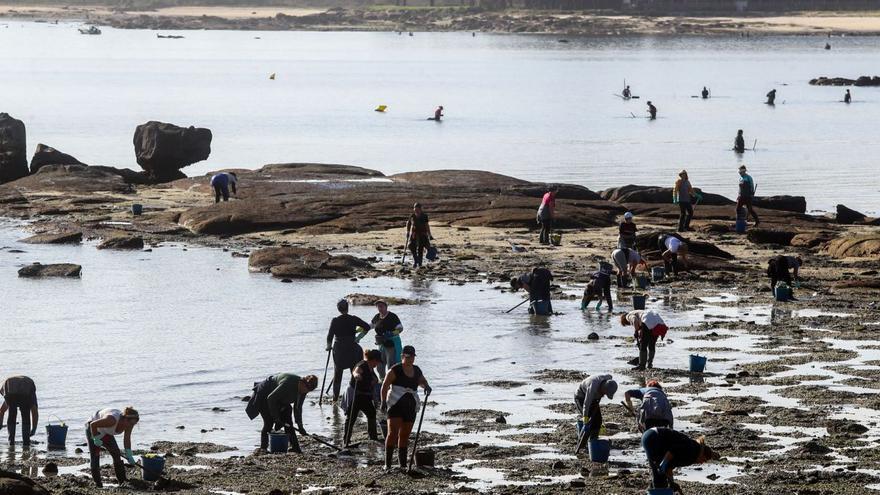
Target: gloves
{"points": [[129, 455], [598, 305], [586, 420], [97, 441], [328, 348]]}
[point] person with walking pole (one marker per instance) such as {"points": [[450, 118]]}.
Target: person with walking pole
{"points": [[401, 399], [363, 386], [101, 432], [418, 234], [346, 351], [415, 448]]}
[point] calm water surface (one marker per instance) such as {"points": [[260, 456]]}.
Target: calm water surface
{"points": [[526, 106]]}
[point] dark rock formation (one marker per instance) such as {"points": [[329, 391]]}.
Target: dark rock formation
{"points": [[51, 270], [47, 155], [162, 149], [16, 484], [54, 238], [812, 239], [796, 204], [13, 149], [73, 179], [842, 81], [122, 242], [651, 194], [847, 216], [294, 262], [701, 255], [854, 247], [771, 236]]}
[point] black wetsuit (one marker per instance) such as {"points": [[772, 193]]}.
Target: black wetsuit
{"points": [[363, 401], [419, 239], [739, 144], [346, 351]]}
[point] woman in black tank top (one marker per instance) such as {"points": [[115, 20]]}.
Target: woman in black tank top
{"points": [[400, 386]]}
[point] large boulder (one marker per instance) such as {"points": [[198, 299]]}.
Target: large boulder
{"points": [[163, 149], [566, 191], [54, 238], [296, 262], [47, 155], [16, 484], [652, 194], [847, 216], [13, 149], [797, 204], [73, 179], [859, 246], [122, 241], [52, 270]]}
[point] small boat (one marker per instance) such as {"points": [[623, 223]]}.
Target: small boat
{"points": [[90, 30]]}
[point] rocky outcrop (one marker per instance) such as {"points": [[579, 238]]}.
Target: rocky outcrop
{"points": [[651, 194], [73, 179], [359, 299], [811, 239], [13, 149], [295, 262], [566, 191], [52, 270], [122, 242], [864, 246], [842, 81], [163, 149], [701, 255], [54, 238], [771, 236], [16, 484], [847, 216], [796, 204], [47, 155]]}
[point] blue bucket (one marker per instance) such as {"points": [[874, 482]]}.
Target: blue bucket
{"points": [[639, 302], [658, 273], [660, 491], [278, 443], [698, 363], [57, 435], [541, 307], [600, 450], [642, 282], [741, 225], [137, 209], [154, 466], [782, 293]]}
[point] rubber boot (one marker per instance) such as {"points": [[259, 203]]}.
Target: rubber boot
{"points": [[389, 455], [402, 455]]}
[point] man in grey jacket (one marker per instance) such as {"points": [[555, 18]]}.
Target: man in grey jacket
{"points": [[587, 398]]}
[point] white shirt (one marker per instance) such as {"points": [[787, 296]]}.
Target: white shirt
{"points": [[108, 430], [672, 244]]}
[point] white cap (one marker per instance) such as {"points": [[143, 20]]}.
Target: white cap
{"points": [[628, 215]]}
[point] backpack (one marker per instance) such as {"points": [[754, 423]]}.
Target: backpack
{"points": [[655, 405]]}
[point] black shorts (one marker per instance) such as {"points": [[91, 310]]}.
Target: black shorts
{"points": [[405, 409]]}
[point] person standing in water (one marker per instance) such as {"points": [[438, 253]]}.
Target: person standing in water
{"points": [[599, 286], [847, 98], [739, 143], [537, 284], [419, 234], [101, 432], [221, 183], [683, 194], [652, 111], [705, 93], [365, 383], [627, 94], [20, 394], [546, 214], [746, 193], [771, 97], [401, 399], [388, 327], [346, 351], [438, 114], [648, 326], [275, 400]]}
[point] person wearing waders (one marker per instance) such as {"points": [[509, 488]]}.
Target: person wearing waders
{"points": [[599, 286], [400, 398], [655, 410], [221, 183], [705, 93], [683, 194], [627, 260], [771, 97], [388, 328], [671, 247], [667, 449], [537, 284], [419, 234], [626, 238], [627, 93], [364, 385], [586, 401], [739, 143], [778, 270], [547, 214], [652, 111], [346, 351], [847, 98], [746, 193], [648, 326], [101, 433], [438, 113], [20, 395], [278, 400]]}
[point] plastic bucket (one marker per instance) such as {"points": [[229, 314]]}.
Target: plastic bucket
{"points": [[642, 282], [425, 457], [278, 443], [154, 466], [57, 435], [639, 302], [698, 363], [137, 209], [660, 491], [658, 273], [556, 239], [782, 293], [741, 226], [541, 307], [600, 450]]}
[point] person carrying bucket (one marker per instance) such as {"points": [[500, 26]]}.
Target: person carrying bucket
{"points": [[537, 284], [746, 193], [655, 410], [671, 247], [648, 326], [586, 402], [275, 399], [221, 183], [626, 239], [778, 269], [667, 449], [683, 194], [401, 399], [388, 327], [20, 394], [547, 214], [101, 433], [419, 234], [627, 260], [599, 286], [362, 388], [346, 351]]}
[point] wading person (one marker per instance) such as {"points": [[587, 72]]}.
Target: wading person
{"points": [[705, 93], [778, 269], [346, 351], [278, 400], [627, 94], [101, 433], [537, 284], [739, 143], [667, 449], [438, 113], [847, 98], [626, 261], [654, 410], [547, 214], [648, 326], [652, 111], [364, 383], [401, 399], [746, 193], [683, 194], [771, 97], [598, 287], [586, 402], [419, 234], [20, 395], [671, 248], [221, 183], [388, 327], [626, 238]]}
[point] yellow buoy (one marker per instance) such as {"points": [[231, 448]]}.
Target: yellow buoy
{"points": [[381, 108]]}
